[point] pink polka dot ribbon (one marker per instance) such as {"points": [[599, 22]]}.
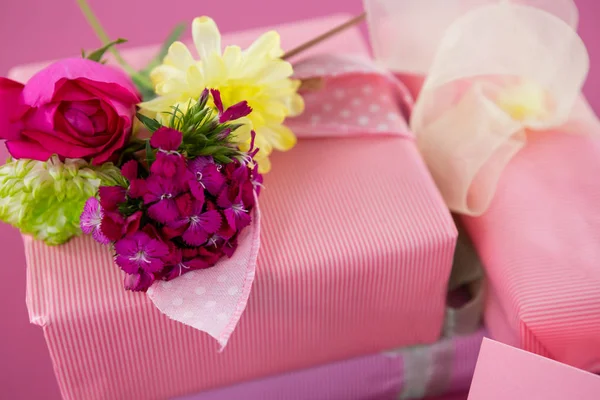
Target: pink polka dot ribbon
{"points": [[354, 98]]}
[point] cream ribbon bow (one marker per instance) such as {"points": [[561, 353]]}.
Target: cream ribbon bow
{"points": [[496, 71]]}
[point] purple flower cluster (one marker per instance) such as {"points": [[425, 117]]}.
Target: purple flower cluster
{"points": [[177, 216]]}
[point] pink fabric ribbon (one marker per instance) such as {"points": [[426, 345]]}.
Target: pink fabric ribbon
{"points": [[354, 98], [496, 72]]}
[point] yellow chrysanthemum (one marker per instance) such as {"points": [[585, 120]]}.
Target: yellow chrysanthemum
{"points": [[257, 75]]}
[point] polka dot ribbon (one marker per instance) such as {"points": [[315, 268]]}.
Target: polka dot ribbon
{"points": [[350, 96]]}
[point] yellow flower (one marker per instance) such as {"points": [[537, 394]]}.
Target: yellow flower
{"points": [[257, 75]]}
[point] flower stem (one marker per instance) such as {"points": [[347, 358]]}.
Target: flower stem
{"points": [[332, 32], [94, 23]]}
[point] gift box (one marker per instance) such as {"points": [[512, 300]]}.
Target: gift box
{"points": [[514, 149], [356, 253], [445, 367], [505, 372]]}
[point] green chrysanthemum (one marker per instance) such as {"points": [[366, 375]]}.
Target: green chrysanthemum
{"points": [[45, 199]]}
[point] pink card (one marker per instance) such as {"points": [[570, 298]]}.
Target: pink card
{"points": [[507, 373]]}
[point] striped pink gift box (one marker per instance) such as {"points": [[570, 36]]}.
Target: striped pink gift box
{"points": [[356, 253], [540, 245], [539, 240], [445, 367]]}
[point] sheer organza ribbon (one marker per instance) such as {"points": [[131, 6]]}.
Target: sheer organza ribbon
{"points": [[350, 97], [495, 70]]}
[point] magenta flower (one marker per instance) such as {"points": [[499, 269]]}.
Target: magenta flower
{"points": [[207, 173], [168, 161], [137, 187], [236, 213], [181, 215], [160, 194], [257, 180], [111, 197], [180, 265], [139, 252], [138, 282], [195, 224], [91, 219], [234, 112], [74, 108]]}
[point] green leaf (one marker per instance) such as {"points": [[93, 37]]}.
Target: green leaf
{"points": [[97, 55], [209, 150], [156, 61], [82, 53], [152, 124], [222, 159], [149, 154], [174, 115]]}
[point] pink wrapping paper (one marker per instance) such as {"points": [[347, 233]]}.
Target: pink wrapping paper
{"points": [[355, 238], [540, 242]]}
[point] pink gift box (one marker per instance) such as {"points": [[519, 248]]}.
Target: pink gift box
{"points": [[356, 253], [539, 240], [507, 373], [540, 245]]}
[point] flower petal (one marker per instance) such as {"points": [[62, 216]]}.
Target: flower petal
{"points": [[130, 170], [232, 57], [161, 103], [210, 221], [242, 220], [267, 45], [195, 79], [165, 72], [138, 282], [91, 212], [212, 179], [164, 211], [41, 87], [179, 56], [111, 197], [99, 236], [132, 223], [206, 37], [168, 165], [9, 96], [216, 95], [184, 205], [279, 136], [197, 263], [278, 70], [167, 139], [112, 226], [27, 149], [195, 235], [235, 112]]}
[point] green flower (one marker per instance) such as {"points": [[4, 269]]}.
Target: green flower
{"points": [[45, 199]]}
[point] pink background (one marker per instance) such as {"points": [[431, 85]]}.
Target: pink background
{"points": [[36, 30]]}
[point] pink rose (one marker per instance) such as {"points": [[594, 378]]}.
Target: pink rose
{"points": [[75, 108]]}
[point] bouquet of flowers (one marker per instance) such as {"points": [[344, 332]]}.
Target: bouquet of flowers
{"points": [[162, 164]]}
